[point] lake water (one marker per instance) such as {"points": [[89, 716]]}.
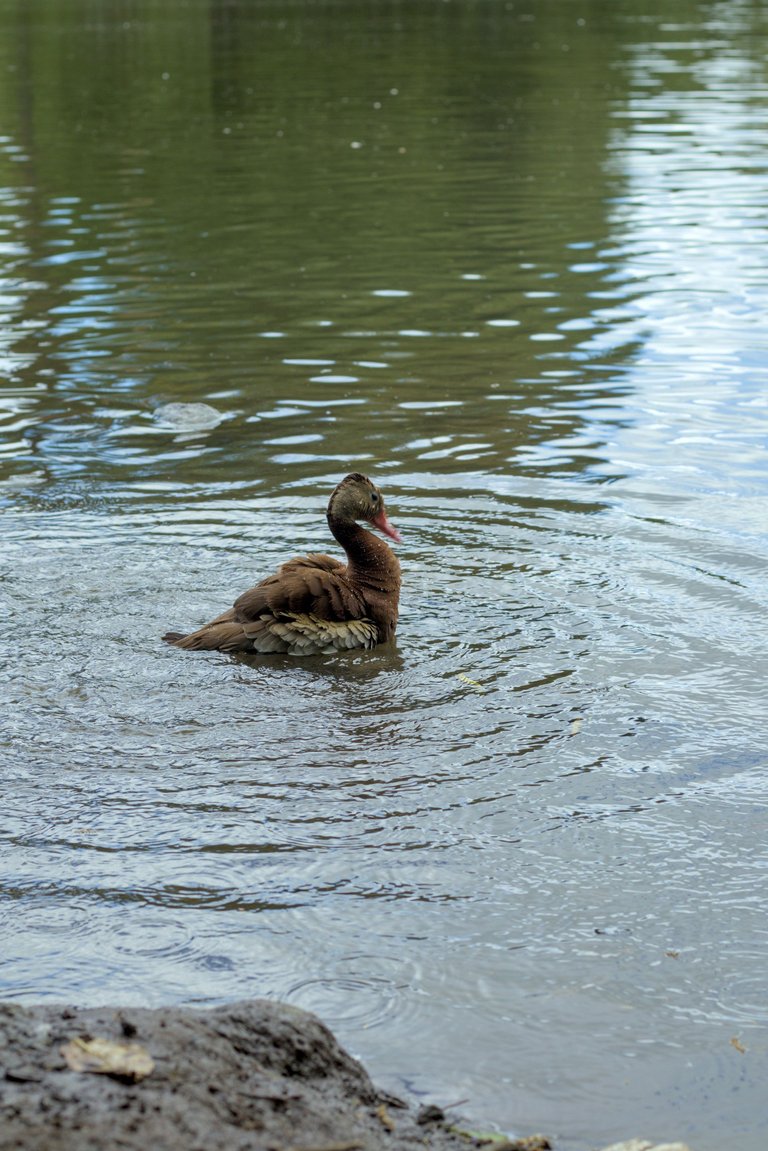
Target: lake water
{"points": [[509, 259]]}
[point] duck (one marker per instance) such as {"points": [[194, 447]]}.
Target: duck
{"points": [[315, 604]]}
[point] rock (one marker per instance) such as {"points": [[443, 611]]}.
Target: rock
{"points": [[527, 1143], [646, 1145], [430, 1114], [252, 1076], [630, 1145]]}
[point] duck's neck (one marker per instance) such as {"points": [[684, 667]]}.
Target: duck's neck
{"points": [[370, 562]]}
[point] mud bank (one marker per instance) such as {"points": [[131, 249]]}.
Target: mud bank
{"points": [[252, 1076]]}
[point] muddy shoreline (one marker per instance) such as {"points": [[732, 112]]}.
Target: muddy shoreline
{"points": [[250, 1076]]}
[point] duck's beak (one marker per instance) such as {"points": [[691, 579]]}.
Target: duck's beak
{"points": [[381, 522]]}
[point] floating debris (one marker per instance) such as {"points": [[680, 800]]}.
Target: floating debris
{"points": [[197, 417], [472, 682]]}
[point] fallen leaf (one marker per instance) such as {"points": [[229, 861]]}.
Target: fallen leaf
{"points": [[105, 1057], [472, 682], [495, 1141], [385, 1117], [736, 1042]]}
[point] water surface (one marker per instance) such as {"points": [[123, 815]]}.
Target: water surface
{"points": [[507, 258]]}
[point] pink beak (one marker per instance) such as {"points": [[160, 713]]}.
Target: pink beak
{"points": [[381, 522]]}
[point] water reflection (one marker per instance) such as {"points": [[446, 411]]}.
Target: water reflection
{"points": [[690, 223], [158, 269]]}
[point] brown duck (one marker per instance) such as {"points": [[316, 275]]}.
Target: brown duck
{"points": [[315, 604]]}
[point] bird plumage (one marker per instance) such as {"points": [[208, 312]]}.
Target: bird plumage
{"points": [[316, 604]]}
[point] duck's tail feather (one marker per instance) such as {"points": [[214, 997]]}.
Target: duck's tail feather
{"points": [[224, 636], [173, 636]]}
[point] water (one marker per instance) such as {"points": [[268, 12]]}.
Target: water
{"points": [[509, 260]]}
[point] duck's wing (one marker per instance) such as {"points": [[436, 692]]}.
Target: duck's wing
{"points": [[307, 607], [314, 585]]}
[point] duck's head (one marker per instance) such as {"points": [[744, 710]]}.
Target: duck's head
{"points": [[358, 498]]}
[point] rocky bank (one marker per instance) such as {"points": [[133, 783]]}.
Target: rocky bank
{"points": [[252, 1076]]}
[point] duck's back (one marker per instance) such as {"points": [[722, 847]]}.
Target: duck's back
{"points": [[307, 607], [317, 584]]}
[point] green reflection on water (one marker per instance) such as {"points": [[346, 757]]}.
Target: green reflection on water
{"points": [[204, 192]]}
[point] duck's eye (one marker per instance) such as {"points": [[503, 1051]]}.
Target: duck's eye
{"points": [[374, 497]]}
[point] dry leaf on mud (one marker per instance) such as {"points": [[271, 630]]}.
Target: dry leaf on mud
{"points": [[105, 1057], [385, 1117], [736, 1042]]}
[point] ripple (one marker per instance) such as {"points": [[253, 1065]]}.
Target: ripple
{"points": [[353, 997], [308, 362], [422, 405], [330, 378]]}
